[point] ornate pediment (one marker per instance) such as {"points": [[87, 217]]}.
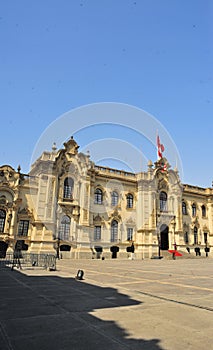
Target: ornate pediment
{"points": [[163, 184], [115, 215], [68, 168], [25, 212], [205, 228], [195, 222], [98, 219], [130, 221], [185, 226], [8, 176]]}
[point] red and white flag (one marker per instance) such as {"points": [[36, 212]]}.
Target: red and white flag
{"points": [[160, 147]]}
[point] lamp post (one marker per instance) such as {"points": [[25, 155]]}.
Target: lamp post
{"points": [[159, 243], [175, 245], [58, 248], [158, 236]]}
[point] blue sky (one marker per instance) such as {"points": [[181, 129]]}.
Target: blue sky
{"points": [[153, 54]]}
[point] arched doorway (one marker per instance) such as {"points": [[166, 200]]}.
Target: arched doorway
{"points": [[3, 249], [114, 250], [164, 237], [99, 251]]}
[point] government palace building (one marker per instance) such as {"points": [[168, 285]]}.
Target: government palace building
{"points": [[72, 208]]}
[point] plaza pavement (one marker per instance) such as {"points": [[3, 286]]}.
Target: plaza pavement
{"points": [[120, 304]]}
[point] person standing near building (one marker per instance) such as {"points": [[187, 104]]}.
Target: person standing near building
{"points": [[132, 251]]}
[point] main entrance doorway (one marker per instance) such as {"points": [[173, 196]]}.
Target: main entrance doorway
{"points": [[164, 237], [3, 249]]}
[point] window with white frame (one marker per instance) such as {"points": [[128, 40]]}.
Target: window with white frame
{"points": [[97, 233], [129, 200], [194, 209], [163, 201], [2, 220], [68, 188], [129, 233], [64, 228], [98, 196], [203, 208], [195, 235], [114, 231], [184, 209], [114, 198], [23, 228]]}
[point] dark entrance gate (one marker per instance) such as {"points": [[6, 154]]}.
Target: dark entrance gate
{"points": [[164, 237], [3, 249], [114, 250]]}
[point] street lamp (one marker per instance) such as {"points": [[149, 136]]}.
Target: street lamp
{"points": [[158, 236], [175, 245], [58, 248], [159, 243]]}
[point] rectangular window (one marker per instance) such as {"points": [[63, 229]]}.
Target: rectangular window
{"points": [[2, 221], [205, 237], [23, 227], [129, 233], [184, 211], [97, 233], [193, 210], [195, 236], [67, 192], [129, 201], [186, 237]]}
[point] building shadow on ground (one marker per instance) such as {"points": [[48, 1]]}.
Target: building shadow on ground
{"points": [[51, 312]]}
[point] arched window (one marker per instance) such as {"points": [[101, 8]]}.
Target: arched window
{"points": [[163, 201], [193, 209], [2, 220], [129, 200], [98, 196], [114, 231], [195, 235], [68, 188], [114, 198], [203, 208], [184, 210], [64, 229]]}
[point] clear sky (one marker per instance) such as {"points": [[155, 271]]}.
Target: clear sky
{"points": [[156, 55]]}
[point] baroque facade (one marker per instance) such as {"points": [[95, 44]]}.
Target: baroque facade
{"points": [[71, 207]]}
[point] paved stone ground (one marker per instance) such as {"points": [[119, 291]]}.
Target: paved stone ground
{"points": [[120, 304]]}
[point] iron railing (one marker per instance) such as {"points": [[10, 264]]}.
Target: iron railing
{"points": [[45, 261]]}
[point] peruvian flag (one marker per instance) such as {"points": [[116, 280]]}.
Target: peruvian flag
{"points": [[160, 147]]}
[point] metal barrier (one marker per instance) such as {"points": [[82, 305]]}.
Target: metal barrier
{"points": [[45, 261]]}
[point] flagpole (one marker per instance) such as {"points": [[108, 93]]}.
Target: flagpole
{"points": [[157, 143]]}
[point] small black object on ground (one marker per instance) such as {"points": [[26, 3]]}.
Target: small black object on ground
{"points": [[79, 275]]}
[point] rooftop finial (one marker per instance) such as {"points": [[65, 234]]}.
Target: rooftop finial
{"points": [[54, 148]]}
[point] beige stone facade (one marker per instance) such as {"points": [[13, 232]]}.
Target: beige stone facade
{"points": [[69, 206]]}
